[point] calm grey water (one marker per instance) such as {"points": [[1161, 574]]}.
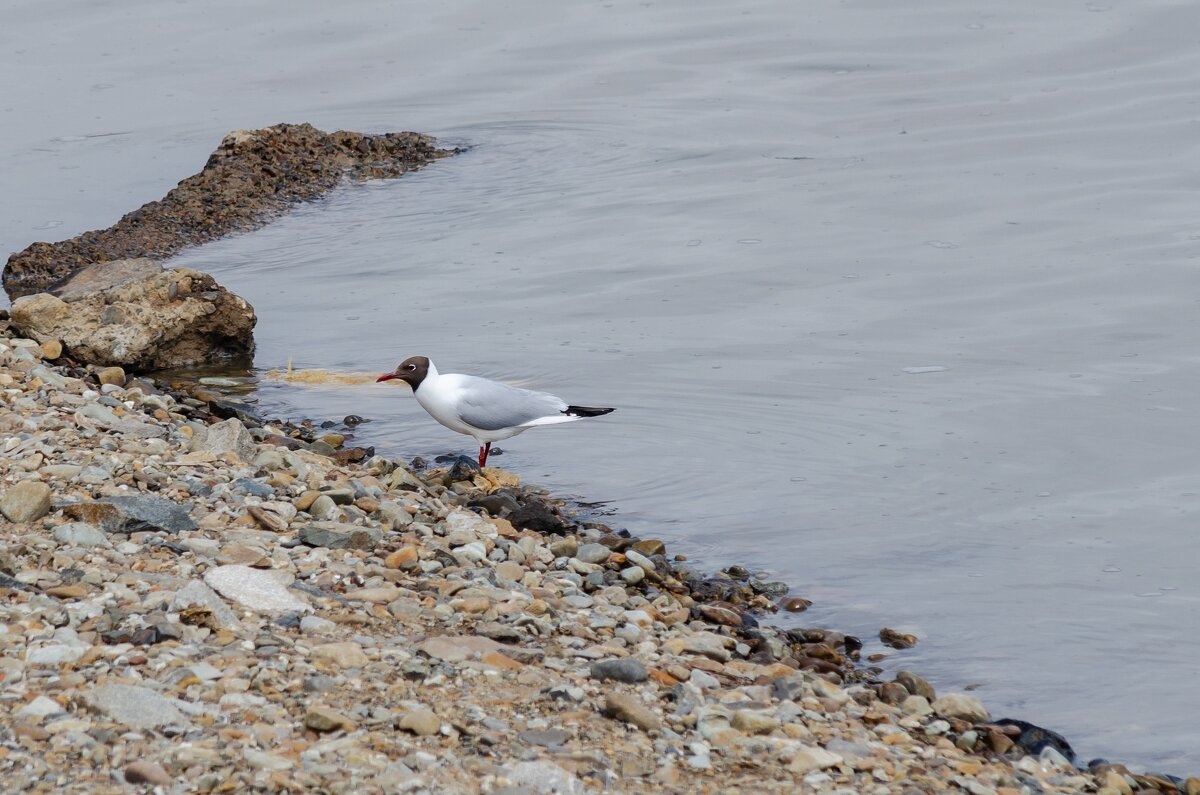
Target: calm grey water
{"points": [[899, 304]]}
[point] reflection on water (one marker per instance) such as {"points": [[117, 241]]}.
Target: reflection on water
{"points": [[896, 303]]}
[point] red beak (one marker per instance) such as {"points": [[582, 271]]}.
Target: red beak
{"points": [[386, 377]]}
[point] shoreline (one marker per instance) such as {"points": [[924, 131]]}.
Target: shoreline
{"points": [[265, 608]]}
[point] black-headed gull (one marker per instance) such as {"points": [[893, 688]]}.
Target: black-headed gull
{"points": [[488, 410]]}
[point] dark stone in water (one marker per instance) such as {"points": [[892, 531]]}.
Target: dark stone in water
{"points": [[351, 420], [352, 455], [852, 644], [1034, 738], [464, 469], [418, 463], [227, 409], [738, 572], [772, 589], [897, 640], [650, 547], [718, 589], [538, 518], [795, 605], [284, 441], [497, 504]]}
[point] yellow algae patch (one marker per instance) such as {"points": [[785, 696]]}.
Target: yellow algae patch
{"points": [[317, 377]]}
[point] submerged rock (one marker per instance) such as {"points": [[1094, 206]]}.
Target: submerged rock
{"points": [[252, 176]]}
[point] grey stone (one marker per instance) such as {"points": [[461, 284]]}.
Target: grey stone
{"points": [[545, 778], [133, 514], [324, 509], [196, 593], [229, 436], [962, 707], [337, 535], [253, 487], [253, 588], [622, 670], [40, 707], [139, 707], [80, 534], [547, 738], [593, 553], [25, 502]]}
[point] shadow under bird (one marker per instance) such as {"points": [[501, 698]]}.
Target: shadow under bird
{"points": [[487, 410]]}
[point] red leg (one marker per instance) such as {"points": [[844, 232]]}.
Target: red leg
{"points": [[483, 454]]}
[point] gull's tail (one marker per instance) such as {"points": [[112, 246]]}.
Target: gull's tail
{"points": [[585, 411]]}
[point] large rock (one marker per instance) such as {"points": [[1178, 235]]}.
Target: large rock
{"points": [[339, 535], [229, 436], [255, 589], [136, 706], [26, 501], [140, 317], [962, 707], [132, 514]]}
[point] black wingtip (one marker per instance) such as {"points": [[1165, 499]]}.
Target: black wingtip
{"points": [[585, 411]]}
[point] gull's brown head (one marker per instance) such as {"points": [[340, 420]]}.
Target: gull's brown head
{"points": [[412, 371]]}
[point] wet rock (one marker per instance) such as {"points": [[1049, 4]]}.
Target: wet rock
{"points": [[132, 514], [255, 589], [625, 669], [252, 176], [916, 685], [497, 504], [593, 553], [336, 535], [897, 640], [26, 501], [136, 706], [629, 708], [1034, 739], [167, 319], [649, 547], [538, 518], [961, 707]]}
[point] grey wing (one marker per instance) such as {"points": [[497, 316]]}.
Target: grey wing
{"points": [[490, 405]]}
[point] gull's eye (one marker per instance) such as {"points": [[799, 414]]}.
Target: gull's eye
{"points": [[411, 367]]}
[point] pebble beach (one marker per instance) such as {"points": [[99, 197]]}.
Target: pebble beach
{"points": [[199, 600]]}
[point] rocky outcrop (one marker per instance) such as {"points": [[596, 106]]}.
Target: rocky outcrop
{"points": [[135, 314], [253, 176]]}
